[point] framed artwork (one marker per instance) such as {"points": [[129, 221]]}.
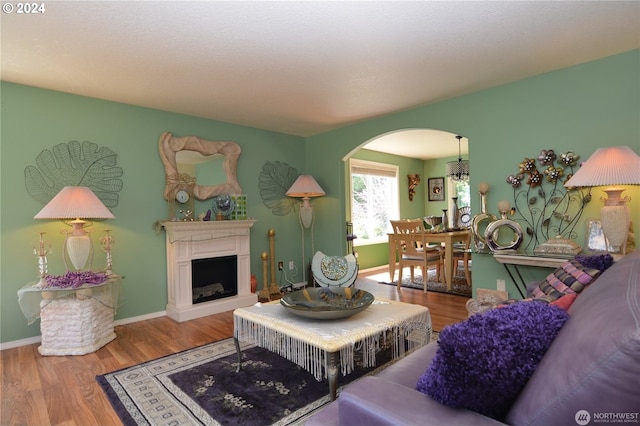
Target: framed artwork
{"points": [[436, 189]]}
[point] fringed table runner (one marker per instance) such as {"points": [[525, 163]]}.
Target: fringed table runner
{"points": [[309, 342]]}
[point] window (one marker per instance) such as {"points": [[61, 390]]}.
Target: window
{"points": [[374, 200], [461, 190]]}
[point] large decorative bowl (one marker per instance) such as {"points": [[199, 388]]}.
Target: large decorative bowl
{"points": [[327, 303], [433, 221]]}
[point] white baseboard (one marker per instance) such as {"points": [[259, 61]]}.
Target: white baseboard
{"points": [[139, 318], [38, 339], [21, 342]]}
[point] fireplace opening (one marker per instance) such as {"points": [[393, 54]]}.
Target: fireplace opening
{"points": [[214, 278]]}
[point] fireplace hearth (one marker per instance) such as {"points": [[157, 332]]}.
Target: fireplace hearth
{"points": [[208, 267]]}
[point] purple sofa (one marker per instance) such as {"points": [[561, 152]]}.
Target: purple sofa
{"points": [[589, 375]]}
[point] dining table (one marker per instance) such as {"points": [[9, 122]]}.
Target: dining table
{"points": [[446, 238]]}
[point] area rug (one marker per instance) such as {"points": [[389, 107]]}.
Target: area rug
{"points": [[201, 386], [459, 287]]}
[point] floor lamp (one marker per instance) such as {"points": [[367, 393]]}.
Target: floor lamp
{"points": [[616, 165], [305, 187]]}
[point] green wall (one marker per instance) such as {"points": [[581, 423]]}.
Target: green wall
{"points": [[34, 120], [579, 108]]}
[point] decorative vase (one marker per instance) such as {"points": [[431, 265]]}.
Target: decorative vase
{"points": [[254, 283], [482, 220], [445, 219], [491, 233], [454, 212]]}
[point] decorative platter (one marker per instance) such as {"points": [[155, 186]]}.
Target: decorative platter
{"points": [[327, 303]]}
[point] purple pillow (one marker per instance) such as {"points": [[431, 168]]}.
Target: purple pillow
{"points": [[484, 362]]}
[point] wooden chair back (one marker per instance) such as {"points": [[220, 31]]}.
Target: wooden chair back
{"points": [[462, 252], [413, 250]]}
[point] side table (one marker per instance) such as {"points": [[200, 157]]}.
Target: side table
{"points": [[516, 259], [72, 321]]}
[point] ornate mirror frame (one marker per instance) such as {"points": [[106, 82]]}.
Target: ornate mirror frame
{"points": [[170, 145]]}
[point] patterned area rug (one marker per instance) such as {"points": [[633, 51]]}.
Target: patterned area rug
{"points": [[200, 386], [460, 286]]}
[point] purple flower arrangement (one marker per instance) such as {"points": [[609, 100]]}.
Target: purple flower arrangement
{"points": [[602, 262], [75, 279]]}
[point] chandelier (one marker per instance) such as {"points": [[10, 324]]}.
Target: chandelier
{"points": [[458, 170]]}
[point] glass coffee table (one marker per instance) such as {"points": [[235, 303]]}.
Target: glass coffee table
{"points": [[323, 347]]}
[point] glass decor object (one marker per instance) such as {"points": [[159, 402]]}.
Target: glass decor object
{"points": [[240, 210], [42, 249], [223, 205], [615, 165], [107, 243], [76, 203]]}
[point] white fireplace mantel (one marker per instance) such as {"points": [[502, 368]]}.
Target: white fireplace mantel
{"points": [[187, 241]]}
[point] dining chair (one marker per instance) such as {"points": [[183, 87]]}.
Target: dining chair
{"points": [[462, 253], [413, 250]]}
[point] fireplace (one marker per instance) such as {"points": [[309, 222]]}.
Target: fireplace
{"points": [[208, 267], [214, 278]]}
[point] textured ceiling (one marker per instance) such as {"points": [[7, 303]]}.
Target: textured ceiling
{"points": [[303, 67]]}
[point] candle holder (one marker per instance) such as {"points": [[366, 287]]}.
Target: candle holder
{"points": [[107, 243], [41, 249]]}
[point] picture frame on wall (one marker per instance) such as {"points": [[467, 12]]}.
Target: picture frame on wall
{"points": [[436, 189]]}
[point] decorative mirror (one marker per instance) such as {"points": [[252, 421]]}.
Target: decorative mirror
{"points": [[211, 165]]}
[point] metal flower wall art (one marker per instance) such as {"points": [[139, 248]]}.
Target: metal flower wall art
{"points": [[544, 206]]}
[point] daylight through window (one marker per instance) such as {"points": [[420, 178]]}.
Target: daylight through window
{"points": [[374, 200]]}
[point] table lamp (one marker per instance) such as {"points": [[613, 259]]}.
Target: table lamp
{"points": [[76, 203], [615, 165]]}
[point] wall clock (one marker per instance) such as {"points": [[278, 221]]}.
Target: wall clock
{"points": [[464, 216], [181, 202]]}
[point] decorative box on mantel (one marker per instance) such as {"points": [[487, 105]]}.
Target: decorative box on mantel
{"points": [[218, 247]]}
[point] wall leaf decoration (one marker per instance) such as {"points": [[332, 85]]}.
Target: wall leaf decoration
{"points": [[75, 164], [274, 181]]}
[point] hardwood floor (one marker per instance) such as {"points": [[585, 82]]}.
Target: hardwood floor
{"points": [[62, 390]]}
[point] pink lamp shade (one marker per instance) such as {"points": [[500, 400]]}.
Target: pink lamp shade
{"points": [[78, 203], [614, 165]]}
